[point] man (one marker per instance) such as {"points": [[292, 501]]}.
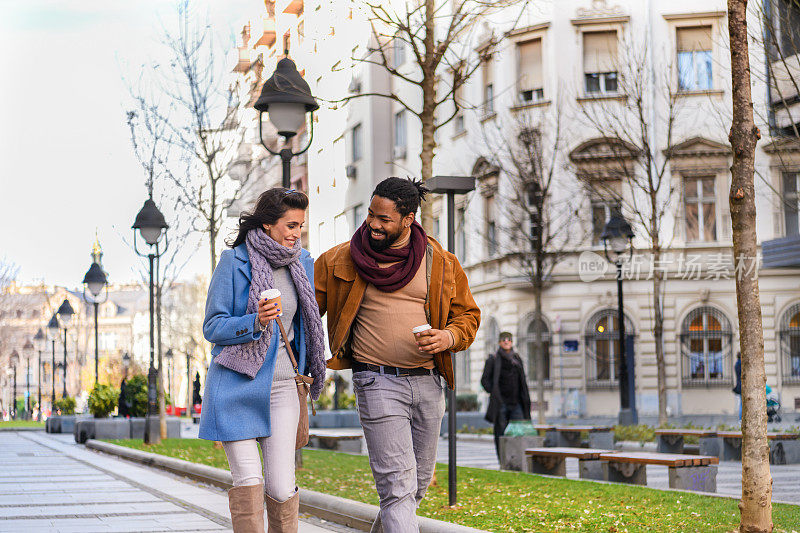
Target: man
{"points": [[390, 278], [504, 379]]}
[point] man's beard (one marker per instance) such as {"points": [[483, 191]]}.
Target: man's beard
{"points": [[383, 244]]}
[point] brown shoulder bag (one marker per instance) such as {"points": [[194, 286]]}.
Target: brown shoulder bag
{"points": [[303, 384]]}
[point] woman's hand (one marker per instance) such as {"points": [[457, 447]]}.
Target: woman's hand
{"points": [[267, 312]]}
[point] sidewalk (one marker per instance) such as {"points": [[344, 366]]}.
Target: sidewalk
{"points": [[49, 483]]}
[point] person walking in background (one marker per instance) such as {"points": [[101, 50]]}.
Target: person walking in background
{"points": [[390, 279], [737, 388], [504, 379], [250, 397]]}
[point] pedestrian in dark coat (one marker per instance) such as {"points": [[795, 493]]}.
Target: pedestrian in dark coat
{"points": [[504, 379], [124, 408]]}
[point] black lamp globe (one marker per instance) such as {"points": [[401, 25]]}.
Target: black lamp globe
{"points": [[14, 359], [53, 326], [169, 355], [65, 313], [95, 279], [287, 98], [27, 348], [617, 237], [41, 339], [150, 222], [126, 359]]}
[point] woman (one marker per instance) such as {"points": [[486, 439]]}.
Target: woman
{"points": [[250, 398]]}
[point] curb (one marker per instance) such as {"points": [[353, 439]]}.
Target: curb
{"points": [[349, 513], [22, 429]]}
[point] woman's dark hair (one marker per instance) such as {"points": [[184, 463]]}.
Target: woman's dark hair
{"points": [[405, 193], [271, 205]]}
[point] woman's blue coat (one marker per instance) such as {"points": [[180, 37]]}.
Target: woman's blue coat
{"points": [[236, 407]]}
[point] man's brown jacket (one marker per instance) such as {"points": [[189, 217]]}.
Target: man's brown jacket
{"points": [[449, 304]]}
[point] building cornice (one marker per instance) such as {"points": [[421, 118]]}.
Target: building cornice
{"points": [[692, 16]]}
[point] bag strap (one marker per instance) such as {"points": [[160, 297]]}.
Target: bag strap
{"points": [[294, 361]]}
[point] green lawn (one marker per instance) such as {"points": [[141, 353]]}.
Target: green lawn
{"points": [[510, 501], [21, 424]]}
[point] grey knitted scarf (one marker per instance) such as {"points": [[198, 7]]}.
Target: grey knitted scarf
{"points": [[266, 254]]}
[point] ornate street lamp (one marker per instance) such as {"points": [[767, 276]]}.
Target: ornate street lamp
{"points": [[152, 226], [95, 280], [52, 333], [287, 98], [41, 343], [65, 314], [617, 240], [13, 362], [27, 351]]}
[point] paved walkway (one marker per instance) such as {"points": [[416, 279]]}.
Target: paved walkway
{"points": [[49, 483], [480, 453]]}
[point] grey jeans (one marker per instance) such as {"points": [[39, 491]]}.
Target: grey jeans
{"points": [[401, 417]]}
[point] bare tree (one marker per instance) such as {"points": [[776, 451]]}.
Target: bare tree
{"points": [[650, 102], [527, 154], [439, 38], [756, 503]]}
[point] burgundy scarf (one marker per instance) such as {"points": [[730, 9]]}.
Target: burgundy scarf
{"points": [[406, 259]]}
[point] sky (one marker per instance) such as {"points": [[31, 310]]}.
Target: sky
{"points": [[67, 168]]}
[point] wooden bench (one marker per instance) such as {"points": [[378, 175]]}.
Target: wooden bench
{"points": [[342, 440], [687, 472], [784, 448], [600, 437], [552, 461], [672, 440]]}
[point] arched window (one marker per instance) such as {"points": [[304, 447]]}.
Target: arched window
{"points": [[602, 348], [706, 338], [790, 344], [530, 349]]}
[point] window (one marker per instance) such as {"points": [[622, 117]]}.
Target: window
{"points": [[398, 51], [706, 348], [358, 216], [530, 345], [488, 86], [461, 235], [600, 62], [788, 25], [602, 348], [601, 212], [492, 336], [530, 86], [458, 97], [464, 371], [791, 203], [790, 344], [356, 140], [694, 58], [400, 135], [491, 226], [700, 213]]}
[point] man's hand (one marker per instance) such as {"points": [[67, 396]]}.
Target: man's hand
{"points": [[434, 341], [267, 312]]}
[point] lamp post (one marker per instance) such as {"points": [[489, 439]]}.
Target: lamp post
{"points": [[14, 361], [65, 314], [95, 280], [451, 185], [617, 240], [169, 356], [41, 343], [27, 351], [151, 225], [287, 98], [52, 329]]}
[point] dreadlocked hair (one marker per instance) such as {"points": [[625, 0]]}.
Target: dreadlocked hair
{"points": [[406, 193], [270, 206]]}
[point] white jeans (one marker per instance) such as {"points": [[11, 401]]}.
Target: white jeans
{"points": [[278, 449]]}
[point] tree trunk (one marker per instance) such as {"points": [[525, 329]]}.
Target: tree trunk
{"points": [[428, 115], [658, 337], [756, 504], [537, 295]]}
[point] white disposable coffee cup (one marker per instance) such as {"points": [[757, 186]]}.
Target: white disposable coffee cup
{"points": [[272, 296], [420, 329]]}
